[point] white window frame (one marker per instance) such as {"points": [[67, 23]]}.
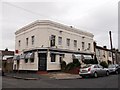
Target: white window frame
{"points": [[89, 46], [68, 42], [32, 40], [59, 40], [75, 43], [27, 39], [83, 45], [53, 41], [19, 43]]}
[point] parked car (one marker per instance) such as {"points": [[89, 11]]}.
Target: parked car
{"points": [[114, 68], [93, 70]]}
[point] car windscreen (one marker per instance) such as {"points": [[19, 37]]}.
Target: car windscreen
{"points": [[87, 66], [111, 66]]}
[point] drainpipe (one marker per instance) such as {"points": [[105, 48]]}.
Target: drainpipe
{"points": [[95, 57]]}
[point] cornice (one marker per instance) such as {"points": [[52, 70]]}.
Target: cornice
{"points": [[53, 24]]}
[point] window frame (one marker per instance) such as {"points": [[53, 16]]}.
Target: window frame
{"points": [[19, 43], [27, 41], [89, 46], [53, 58], [68, 42], [26, 60], [59, 40], [110, 54], [52, 40], [32, 60], [32, 40], [75, 43], [83, 45]]}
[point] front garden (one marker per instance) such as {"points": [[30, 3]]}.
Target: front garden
{"points": [[73, 67]]}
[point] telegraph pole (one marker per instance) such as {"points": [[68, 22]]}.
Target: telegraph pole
{"points": [[111, 46]]}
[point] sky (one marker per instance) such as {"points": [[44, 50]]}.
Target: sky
{"points": [[95, 16]]}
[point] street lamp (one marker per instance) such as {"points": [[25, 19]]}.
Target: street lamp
{"points": [[111, 46]]}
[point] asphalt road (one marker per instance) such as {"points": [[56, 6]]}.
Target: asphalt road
{"points": [[101, 82]]}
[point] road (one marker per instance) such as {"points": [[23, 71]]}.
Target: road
{"points": [[101, 82]]}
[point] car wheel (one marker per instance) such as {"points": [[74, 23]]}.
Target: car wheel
{"points": [[116, 72], [83, 76], [95, 75], [107, 73]]}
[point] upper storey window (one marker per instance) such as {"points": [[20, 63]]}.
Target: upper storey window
{"points": [[19, 43], [26, 41], [89, 46], [75, 43], [52, 41], [59, 40], [33, 40], [83, 45], [68, 42]]}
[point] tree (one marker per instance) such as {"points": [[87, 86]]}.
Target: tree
{"points": [[72, 65], [104, 64], [63, 65]]}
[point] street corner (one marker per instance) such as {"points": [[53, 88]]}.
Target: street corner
{"points": [[22, 77]]}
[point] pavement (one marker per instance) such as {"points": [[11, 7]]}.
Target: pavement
{"points": [[26, 76], [50, 75], [61, 76]]}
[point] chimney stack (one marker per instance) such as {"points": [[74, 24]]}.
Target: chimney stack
{"points": [[105, 47]]}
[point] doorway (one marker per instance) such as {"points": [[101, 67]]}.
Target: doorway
{"points": [[42, 61]]}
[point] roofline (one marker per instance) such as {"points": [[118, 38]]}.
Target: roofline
{"points": [[6, 51], [99, 47], [54, 24]]}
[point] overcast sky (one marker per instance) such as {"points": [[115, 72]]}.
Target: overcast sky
{"points": [[95, 16]]}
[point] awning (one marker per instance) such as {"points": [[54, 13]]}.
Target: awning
{"points": [[29, 56], [76, 56], [57, 53], [87, 57], [42, 52], [16, 57]]}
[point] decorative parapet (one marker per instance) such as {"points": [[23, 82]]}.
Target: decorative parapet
{"points": [[54, 24]]}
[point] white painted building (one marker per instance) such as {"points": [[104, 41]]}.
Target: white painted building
{"points": [[43, 44]]}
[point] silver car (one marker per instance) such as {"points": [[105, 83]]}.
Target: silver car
{"points": [[114, 68], [93, 70]]}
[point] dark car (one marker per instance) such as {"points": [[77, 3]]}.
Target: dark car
{"points": [[114, 68]]}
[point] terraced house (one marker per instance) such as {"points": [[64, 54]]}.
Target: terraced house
{"points": [[104, 54], [43, 44]]}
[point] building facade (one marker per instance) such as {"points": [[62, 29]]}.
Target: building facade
{"points": [[104, 54], [6, 60], [43, 44]]}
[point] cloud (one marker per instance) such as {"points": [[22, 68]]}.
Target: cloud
{"points": [[100, 21], [95, 16]]}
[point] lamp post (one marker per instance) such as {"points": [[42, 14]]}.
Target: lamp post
{"points": [[111, 46]]}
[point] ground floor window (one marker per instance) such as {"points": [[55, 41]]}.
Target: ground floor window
{"points": [[109, 62], [53, 57], [32, 60], [26, 60]]}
